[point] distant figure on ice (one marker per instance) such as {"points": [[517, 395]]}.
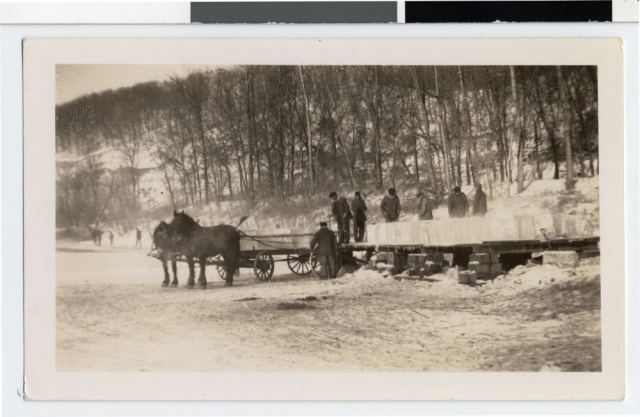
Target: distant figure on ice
{"points": [[341, 211], [479, 202], [324, 247], [138, 237], [111, 237], [458, 204], [359, 207], [424, 207], [94, 235], [390, 206]]}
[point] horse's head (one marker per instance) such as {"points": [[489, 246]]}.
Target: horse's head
{"points": [[162, 234], [183, 225]]}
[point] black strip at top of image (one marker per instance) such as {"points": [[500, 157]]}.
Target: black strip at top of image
{"points": [[508, 11], [294, 12]]}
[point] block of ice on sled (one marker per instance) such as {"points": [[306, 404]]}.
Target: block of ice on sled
{"points": [[382, 233], [525, 226], [439, 233], [408, 233], [372, 234], [273, 239], [423, 230], [460, 230], [390, 235], [500, 228], [574, 225], [476, 229]]}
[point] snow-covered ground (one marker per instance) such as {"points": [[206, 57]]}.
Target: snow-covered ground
{"points": [[113, 315]]}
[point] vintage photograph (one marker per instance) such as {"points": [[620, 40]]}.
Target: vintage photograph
{"points": [[325, 218]]}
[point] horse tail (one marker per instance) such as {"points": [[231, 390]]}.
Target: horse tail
{"points": [[242, 220]]}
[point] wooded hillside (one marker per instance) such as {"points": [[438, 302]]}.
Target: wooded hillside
{"points": [[262, 132]]}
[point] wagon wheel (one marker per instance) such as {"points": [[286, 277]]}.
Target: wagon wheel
{"points": [[263, 266], [300, 264], [222, 270]]}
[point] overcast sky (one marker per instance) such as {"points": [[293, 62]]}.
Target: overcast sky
{"points": [[73, 81]]}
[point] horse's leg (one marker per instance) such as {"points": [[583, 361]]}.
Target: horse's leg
{"points": [[202, 279], [166, 271], [174, 267], [192, 272], [231, 271]]}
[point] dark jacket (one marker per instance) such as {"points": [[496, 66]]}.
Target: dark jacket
{"points": [[326, 241], [358, 207], [340, 209], [458, 205], [425, 212], [480, 203], [390, 207]]}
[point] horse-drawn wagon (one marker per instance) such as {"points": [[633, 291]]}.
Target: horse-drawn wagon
{"points": [[260, 249]]}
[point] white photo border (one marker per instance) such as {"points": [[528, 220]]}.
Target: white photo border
{"points": [[43, 382]]}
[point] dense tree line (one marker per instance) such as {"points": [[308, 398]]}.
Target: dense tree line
{"points": [[255, 132]]}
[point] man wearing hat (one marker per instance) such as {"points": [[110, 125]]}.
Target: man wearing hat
{"points": [[358, 207], [458, 204], [390, 206], [324, 247], [342, 213], [479, 202], [424, 207]]}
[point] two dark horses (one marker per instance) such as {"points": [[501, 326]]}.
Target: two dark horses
{"points": [[184, 236]]}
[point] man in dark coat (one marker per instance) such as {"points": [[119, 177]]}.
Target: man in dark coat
{"points": [[390, 206], [111, 237], [324, 247], [424, 207], [341, 211], [359, 207], [479, 202], [458, 204]]}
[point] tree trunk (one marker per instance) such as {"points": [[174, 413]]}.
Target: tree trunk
{"points": [[334, 114], [536, 138], [425, 127], [468, 126], [518, 133], [309, 141], [567, 137], [443, 136]]}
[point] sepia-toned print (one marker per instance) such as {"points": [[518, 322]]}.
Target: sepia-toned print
{"points": [[325, 218]]}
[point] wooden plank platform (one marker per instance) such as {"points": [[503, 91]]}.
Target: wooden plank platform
{"points": [[497, 246]]}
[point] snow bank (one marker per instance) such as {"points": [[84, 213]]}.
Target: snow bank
{"points": [[523, 278]]}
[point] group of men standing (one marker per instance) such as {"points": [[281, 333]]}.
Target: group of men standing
{"points": [[457, 202], [344, 213], [324, 241]]}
